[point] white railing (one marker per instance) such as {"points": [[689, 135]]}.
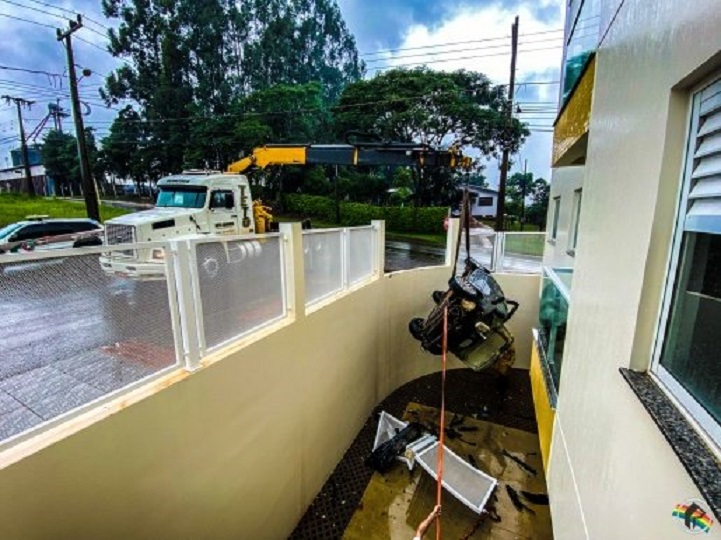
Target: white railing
{"points": [[506, 252], [335, 260], [73, 335], [76, 332]]}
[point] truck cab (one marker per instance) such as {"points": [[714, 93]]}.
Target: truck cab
{"points": [[191, 204]]}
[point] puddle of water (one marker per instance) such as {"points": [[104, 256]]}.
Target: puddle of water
{"points": [[395, 503]]}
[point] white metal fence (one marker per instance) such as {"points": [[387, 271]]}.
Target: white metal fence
{"points": [[73, 334], [506, 252], [239, 287], [336, 259]]}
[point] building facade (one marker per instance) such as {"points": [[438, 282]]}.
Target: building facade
{"points": [[625, 374]]}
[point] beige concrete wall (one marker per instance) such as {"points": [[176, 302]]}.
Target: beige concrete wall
{"points": [[240, 448], [625, 476], [564, 182]]}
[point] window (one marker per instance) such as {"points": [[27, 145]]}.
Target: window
{"points": [[688, 344], [485, 201], [30, 232], [222, 199], [575, 218], [556, 213], [181, 197]]}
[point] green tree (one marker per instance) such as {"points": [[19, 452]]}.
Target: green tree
{"points": [[124, 149], [538, 209], [421, 105], [199, 69], [297, 42], [60, 159]]}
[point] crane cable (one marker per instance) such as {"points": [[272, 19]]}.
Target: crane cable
{"points": [[439, 468], [464, 225]]}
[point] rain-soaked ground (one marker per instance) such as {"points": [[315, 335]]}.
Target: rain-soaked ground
{"points": [[355, 502]]}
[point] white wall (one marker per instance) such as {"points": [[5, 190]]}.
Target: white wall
{"points": [[240, 448], [564, 182], [626, 479]]}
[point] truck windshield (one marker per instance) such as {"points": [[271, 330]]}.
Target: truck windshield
{"points": [[182, 197]]}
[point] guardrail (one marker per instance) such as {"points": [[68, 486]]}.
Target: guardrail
{"points": [[506, 252], [75, 334], [337, 259]]}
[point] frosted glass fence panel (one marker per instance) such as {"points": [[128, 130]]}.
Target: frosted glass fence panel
{"points": [[522, 253], [323, 259], [241, 287], [71, 334], [361, 254]]}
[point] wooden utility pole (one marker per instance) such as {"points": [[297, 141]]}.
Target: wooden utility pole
{"points": [[90, 192], [27, 185], [501, 208]]}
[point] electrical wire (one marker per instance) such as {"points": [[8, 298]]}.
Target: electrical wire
{"points": [[465, 49], [392, 66], [384, 51], [38, 2], [26, 20]]}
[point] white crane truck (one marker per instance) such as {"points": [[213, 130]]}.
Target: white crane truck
{"points": [[213, 203]]}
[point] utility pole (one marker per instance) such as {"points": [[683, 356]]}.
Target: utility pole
{"points": [[27, 185], [524, 186], [90, 192], [500, 217]]}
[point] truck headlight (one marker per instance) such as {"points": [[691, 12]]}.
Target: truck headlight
{"points": [[158, 254]]}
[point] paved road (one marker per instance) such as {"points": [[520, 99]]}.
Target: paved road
{"points": [[70, 335], [404, 256]]}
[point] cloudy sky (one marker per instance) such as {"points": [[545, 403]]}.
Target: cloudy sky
{"points": [[470, 34]]}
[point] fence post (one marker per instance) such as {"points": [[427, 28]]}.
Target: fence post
{"points": [[452, 240], [499, 249], [291, 235], [186, 303], [379, 245]]}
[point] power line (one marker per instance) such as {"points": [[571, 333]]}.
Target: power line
{"points": [[45, 12], [384, 51], [33, 71], [69, 12], [92, 44], [466, 49], [460, 58], [26, 20]]}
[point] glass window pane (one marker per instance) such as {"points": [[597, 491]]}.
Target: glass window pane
{"points": [[693, 340]]}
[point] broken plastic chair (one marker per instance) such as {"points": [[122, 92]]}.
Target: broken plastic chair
{"points": [[466, 483]]}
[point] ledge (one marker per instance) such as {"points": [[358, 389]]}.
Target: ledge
{"points": [[694, 455]]}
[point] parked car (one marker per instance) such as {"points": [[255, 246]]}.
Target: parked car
{"points": [[40, 232]]}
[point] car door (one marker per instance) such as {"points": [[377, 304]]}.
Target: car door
{"points": [[223, 211]]}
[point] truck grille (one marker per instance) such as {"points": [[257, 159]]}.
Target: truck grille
{"points": [[120, 234]]}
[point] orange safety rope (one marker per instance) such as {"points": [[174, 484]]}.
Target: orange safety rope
{"points": [[439, 486]]}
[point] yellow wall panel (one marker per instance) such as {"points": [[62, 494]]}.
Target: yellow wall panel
{"points": [[544, 412], [574, 120]]}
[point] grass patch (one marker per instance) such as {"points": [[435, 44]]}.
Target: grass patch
{"points": [[525, 244], [15, 207], [430, 239]]}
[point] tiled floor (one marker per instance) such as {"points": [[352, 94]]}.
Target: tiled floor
{"points": [[42, 393], [480, 395]]}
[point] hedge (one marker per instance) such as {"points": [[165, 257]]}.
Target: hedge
{"points": [[427, 220]]}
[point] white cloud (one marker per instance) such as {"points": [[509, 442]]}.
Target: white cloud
{"points": [[539, 59]]}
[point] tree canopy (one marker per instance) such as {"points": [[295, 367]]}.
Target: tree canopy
{"points": [[201, 71]]}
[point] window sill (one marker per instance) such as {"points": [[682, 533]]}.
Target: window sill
{"points": [[694, 455]]}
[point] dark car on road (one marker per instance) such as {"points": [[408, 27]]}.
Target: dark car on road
{"points": [[43, 233]]}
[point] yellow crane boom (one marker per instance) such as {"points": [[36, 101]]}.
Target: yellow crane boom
{"points": [[398, 154]]}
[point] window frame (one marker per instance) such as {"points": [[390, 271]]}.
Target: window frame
{"points": [[697, 415], [575, 219], [555, 221], [225, 193]]}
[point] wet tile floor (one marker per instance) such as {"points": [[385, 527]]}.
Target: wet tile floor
{"points": [[498, 406]]}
